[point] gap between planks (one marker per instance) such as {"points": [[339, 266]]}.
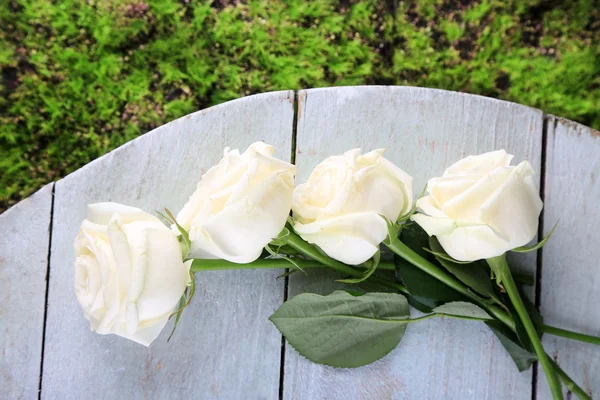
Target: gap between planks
{"points": [[287, 270], [50, 225], [538, 270]]}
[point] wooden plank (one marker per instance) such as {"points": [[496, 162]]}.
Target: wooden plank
{"points": [[23, 267], [570, 275], [425, 131], [224, 347]]}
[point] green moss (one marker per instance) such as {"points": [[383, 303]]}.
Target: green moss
{"points": [[80, 78]]}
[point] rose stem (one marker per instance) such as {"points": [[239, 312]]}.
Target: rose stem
{"points": [[569, 383], [552, 330], [500, 267], [266, 263]]}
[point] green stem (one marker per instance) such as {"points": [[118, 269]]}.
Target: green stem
{"points": [[415, 259], [552, 330], [318, 261], [309, 250], [427, 316], [500, 267], [266, 263], [262, 263], [421, 318], [569, 383]]}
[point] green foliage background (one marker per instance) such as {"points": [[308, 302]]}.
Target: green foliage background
{"points": [[80, 78]]}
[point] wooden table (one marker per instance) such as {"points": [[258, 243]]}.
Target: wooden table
{"points": [[225, 348]]}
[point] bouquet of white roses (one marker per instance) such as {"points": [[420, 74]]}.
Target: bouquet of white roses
{"points": [[444, 255]]}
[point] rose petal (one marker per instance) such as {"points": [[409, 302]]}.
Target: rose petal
{"points": [[120, 249], [471, 243], [426, 205], [480, 164], [351, 239], [467, 205], [243, 229], [102, 213], [377, 189], [434, 226], [145, 336], [166, 277], [514, 209]]}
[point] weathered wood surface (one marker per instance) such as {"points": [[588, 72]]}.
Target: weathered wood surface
{"points": [[224, 347], [570, 260], [24, 237], [425, 131]]}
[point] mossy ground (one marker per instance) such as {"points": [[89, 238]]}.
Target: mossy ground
{"points": [[79, 78]]}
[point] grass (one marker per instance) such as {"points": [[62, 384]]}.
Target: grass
{"points": [[79, 78]]}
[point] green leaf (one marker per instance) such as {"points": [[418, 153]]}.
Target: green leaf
{"points": [[526, 249], [413, 209], [417, 239], [290, 221], [524, 279], [522, 358], [426, 291], [180, 307], [281, 239], [499, 267], [186, 244], [343, 330], [369, 286], [440, 255], [192, 292], [371, 267], [288, 273], [288, 250], [473, 275], [418, 305], [288, 259], [165, 217], [393, 230], [521, 332], [462, 309]]}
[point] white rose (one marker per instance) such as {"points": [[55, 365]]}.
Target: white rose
{"points": [[339, 208], [128, 272], [240, 205], [481, 207]]}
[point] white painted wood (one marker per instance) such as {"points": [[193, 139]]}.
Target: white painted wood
{"points": [[224, 347], [424, 130], [570, 273], [24, 242]]}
